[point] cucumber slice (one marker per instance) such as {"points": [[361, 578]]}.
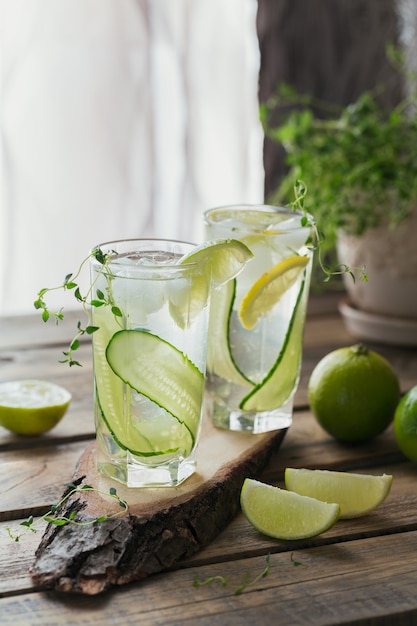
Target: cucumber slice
{"points": [[219, 356], [159, 371], [110, 397], [276, 388]]}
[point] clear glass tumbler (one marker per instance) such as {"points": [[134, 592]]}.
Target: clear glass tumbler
{"points": [[257, 320], [149, 357]]}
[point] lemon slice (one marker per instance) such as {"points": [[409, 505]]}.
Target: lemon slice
{"points": [[284, 514], [356, 494], [279, 383], [32, 407], [269, 288]]}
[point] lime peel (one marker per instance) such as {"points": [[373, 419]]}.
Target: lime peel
{"points": [[285, 514], [356, 494]]}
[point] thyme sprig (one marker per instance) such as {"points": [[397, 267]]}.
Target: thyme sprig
{"points": [[52, 517], [70, 283], [298, 204], [246, 581]]}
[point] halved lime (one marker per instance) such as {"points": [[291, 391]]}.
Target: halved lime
{"points": [[32, 407], [356, 494], [285, 514], [269, 288], [163, 374], [276, 388]]}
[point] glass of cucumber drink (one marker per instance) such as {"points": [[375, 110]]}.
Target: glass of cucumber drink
{"points": [[257, 319], [149, 354]]}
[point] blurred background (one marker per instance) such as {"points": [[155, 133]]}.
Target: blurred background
{"points": [[129, 118]]}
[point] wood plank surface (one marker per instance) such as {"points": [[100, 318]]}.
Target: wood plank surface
{"points": [[359, 572], [334, 584]]}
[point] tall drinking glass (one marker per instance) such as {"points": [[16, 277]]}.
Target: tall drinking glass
{"points": [[149, 360], [257, 320]]}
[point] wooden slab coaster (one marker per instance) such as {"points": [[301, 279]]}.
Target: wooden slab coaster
{"points": [[162, 525]]}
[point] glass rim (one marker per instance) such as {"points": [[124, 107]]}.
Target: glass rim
{"points": [[261, 208], [135, 245]]}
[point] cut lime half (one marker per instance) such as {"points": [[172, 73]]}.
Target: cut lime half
{"points": [[32, 407], [356, 494], [284, 514]]}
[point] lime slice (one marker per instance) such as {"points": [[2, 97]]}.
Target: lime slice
{"points": [[160, 372], [219, 356], [356, 494], [269, 289], [277, 386], [284, 514], [224, 258], [217, 262], [32, 407]]}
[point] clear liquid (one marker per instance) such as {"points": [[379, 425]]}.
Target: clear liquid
{"points": [[139, 442], [272, 238]]}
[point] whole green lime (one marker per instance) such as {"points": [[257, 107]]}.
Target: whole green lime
{"points": [[405, 424], [353, 393]]}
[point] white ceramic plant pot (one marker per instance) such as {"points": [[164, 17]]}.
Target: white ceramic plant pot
{"points": [[383, 309], [390, 260]]}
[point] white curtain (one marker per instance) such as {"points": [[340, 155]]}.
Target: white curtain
{"points": [[119, 118]]}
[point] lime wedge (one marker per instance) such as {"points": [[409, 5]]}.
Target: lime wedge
{"points": [[160, 372], [356, 494], [276, 388], [224, 258], [284, 514], [219, 356], [269, 289], [32, 407], [217, 262]]}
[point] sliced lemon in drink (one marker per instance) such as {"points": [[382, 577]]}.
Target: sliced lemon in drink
{"points": [[220, 261], [163, 374], [356, 494], [269, 288], [284, 514], [32, 407], [279, 383]]}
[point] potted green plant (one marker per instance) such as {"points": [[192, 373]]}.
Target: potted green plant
{"points": [[359, 164]]}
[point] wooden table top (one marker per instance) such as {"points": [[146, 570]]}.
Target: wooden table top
{"points": [[362, 571]]}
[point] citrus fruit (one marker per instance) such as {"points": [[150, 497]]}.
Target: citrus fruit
{"points": [[32, 407], [220, 262], [405, 424], [284, 514], [269, 288], [356, 494], [278, 385], [353, 393], [223, 258]]}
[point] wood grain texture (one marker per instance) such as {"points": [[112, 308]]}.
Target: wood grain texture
{"points": [[162, 525]]}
